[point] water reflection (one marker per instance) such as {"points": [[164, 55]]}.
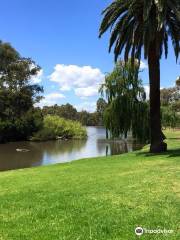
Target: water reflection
{"points": [[11, 159], [40, 153], [51, 152], [123, 146]]}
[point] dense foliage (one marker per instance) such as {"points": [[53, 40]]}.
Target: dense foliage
{"points": [[170, 107], [55, 127], [101, 107], [66, 111], [127, 109], [18, 117], [69, 112], [170, 118]]}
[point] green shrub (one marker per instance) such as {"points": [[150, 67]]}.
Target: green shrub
{"points": [[21, 128], [55, 127]]}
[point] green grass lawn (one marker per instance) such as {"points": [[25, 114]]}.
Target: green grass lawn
{"points": [[170, 133], [98, 199]]}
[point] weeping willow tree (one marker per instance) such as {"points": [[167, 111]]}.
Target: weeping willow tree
{"points": [[127, 108]]}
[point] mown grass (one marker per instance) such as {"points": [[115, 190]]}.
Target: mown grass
{"points": [[99, 199], [172, 133]]}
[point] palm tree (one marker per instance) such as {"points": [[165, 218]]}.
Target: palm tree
{"points": [[147, 25]]}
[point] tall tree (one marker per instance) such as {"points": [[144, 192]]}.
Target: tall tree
{"points": [[147, 24], [18, 117], [127, 109]]}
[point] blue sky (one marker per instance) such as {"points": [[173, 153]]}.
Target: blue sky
{"points": [[62, 37]]}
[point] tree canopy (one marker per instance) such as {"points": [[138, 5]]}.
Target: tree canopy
{"points": [[127, 109], [18, 117], [135, 24]]}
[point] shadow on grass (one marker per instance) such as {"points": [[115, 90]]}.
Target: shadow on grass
{"points": [[169, 153], [175, 138]]}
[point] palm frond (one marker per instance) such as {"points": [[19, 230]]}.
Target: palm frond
{"points": [[135, 24]]}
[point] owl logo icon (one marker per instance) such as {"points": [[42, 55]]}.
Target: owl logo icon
{"points": [[139, 231]]}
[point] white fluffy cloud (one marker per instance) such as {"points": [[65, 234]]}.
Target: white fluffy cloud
{"points": [[143, 65], [147, 90], [85, 81], [54, 96], [86, 92], [86, 106], [51, 99], [38, 78]]}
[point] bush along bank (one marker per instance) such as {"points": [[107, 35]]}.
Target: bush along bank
{"points": [[55, 127]]}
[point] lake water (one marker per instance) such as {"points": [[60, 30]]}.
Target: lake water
{"points": [[60, 151]]}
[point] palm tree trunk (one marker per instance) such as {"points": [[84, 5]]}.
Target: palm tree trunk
{"points": [[156, 137]]}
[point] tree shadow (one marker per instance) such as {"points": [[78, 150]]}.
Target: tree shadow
{"points": [[175, 138], [169, 153]]}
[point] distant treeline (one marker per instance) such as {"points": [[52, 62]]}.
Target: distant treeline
{"points": [[69, 112]]}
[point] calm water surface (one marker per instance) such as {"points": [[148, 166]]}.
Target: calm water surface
{"points": [[60, 151]]}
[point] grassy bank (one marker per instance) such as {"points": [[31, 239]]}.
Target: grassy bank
{"points": [[99, 199]]}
